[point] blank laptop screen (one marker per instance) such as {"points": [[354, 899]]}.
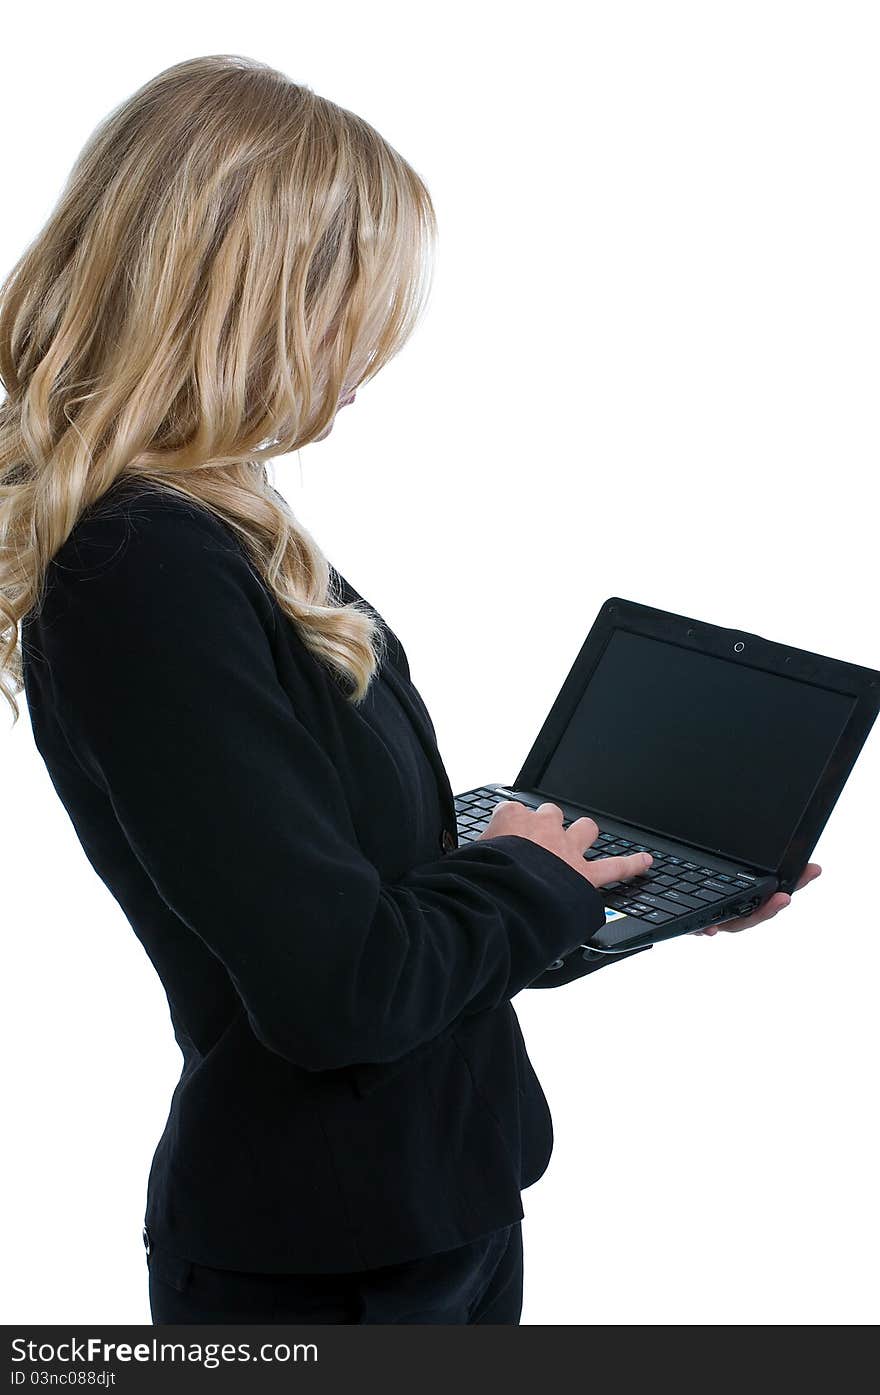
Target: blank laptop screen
{"points": [[703, 749]]}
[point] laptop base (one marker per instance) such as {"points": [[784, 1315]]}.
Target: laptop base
{"points": [[685, 889]]}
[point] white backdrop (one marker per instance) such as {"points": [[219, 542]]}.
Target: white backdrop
{"points": [[649, 369]]}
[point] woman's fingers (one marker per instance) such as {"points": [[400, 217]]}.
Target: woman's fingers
{"points": [[618, 869], [584, 829], [582, 834], [809, 874]]}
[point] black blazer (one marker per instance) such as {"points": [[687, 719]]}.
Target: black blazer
{"points": [[355, 1089]]}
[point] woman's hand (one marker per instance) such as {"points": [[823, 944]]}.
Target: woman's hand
{"points": [[544, 825], [771, 907]]}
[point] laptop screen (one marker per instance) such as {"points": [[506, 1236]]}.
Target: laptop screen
{"points": [[702, 749]]}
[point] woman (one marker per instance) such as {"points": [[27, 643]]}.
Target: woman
{"points": [[234, 732]]}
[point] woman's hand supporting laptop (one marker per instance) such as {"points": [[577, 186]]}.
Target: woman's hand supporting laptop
{"points": [[544, 825], [771, 907]]}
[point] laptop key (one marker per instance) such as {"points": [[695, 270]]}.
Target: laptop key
{"points": [[678, 898], [646, 910], [658, 917], [709, 895], [659, 903], [713, 884]]}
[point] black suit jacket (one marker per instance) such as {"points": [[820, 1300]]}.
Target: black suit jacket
{"points": [[355, 1089]]}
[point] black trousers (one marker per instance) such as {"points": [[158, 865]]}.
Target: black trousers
{"points": [[481, 1282]]}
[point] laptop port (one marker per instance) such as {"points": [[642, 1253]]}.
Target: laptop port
{"points": [[746, 906]]}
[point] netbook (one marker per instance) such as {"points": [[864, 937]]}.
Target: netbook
{"points": [[719, 752]]}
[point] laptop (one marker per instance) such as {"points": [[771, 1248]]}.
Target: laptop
{"points": [[719, 752]]}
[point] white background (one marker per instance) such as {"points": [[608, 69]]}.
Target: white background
{"points": [[649, 369]]}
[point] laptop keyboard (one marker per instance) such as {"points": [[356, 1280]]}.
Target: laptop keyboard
{"points": [[669, 888]]}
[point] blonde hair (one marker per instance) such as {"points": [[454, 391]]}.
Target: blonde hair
{"points": [[230, 256]]}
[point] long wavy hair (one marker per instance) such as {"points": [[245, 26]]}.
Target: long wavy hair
{"points": [[231, 255]]}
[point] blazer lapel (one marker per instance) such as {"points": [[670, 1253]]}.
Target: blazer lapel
{"points": [[411, 702], [415, 709]]}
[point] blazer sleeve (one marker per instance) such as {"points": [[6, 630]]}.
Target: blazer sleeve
{"points": [[159, 650]]}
